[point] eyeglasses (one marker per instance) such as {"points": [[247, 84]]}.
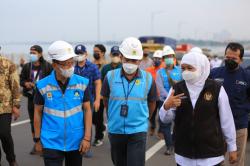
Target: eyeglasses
{"points": [[66, 64]]}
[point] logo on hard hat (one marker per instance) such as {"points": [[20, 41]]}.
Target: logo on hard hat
{"points": [[134, 52], [69, 50]]}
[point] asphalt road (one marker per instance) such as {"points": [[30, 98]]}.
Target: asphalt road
{"points": [[23, 144]]}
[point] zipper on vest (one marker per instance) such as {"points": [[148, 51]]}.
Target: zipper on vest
{"points": [[64, 123]]}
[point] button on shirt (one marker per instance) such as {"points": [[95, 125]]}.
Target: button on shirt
{"points": [[226, 121], [90, 71]]}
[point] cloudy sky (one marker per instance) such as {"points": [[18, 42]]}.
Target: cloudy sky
{"points": [[76, 20]]}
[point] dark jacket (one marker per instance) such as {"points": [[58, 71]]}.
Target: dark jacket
{"points": [[197, 130], [25, 76], [237, 86]]}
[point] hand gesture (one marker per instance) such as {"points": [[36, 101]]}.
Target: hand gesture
{"points": [[173, 101]]}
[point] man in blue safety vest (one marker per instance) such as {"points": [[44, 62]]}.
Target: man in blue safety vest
{"points": [[62, 118], [130, 95]]}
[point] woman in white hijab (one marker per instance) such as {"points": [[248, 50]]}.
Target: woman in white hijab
{"points": [[202, 114]]}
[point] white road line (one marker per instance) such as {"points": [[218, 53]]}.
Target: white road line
{"points": [[20, 123], [154, 149], [149, 152]]}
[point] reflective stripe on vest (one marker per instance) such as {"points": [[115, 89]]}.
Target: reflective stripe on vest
{"points": [[48, 88], [78, 86], [63, 114]]}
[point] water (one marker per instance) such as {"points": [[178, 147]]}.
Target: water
{"points": [[15, 52]]}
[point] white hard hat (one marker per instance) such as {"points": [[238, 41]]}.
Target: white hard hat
{"points": [[131, 48], [61, 51], [157, 54], [167, 50], [196, 49]]}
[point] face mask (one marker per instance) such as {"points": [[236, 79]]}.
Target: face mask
{"points": [[81, 58], [33, 57], [169, 61], [115, 59], [190, 76], [145, 54], [231, 64], [157, 63], [129, 68], [67, 73], [96, 56]]}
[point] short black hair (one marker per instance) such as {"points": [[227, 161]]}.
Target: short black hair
{"points": [[235, 46], [101, 47], [37, 48]]}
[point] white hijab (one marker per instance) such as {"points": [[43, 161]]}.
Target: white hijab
{"points": [[200, 62]]}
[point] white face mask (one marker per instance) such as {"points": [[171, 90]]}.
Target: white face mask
{"points": [[81, 58], [190, 76], [67, 73], [115, 59], [129, 68]]}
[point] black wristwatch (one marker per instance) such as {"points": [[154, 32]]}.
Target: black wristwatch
{"points": [[36, 139]]}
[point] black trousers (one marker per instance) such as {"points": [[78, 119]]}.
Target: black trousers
{"points": [[6, 138], [215, 165], [31, 113], [153, 117], [128, 149], [99, 122], [55, 158]]}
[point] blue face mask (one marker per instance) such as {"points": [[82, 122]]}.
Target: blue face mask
{"points": [[169, 61], [33, 57]]}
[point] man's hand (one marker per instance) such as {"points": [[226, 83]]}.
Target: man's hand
{"points": [[84, 146], [233, 157], [173, 101], [15, 113], [96, 105], [38, 147], [29, 85]]}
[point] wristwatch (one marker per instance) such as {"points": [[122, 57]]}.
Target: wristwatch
{"points": [[36, 139]]}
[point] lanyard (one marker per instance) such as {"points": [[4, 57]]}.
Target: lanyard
{"points": [[129, 90]]}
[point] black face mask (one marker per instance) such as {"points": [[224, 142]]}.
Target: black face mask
{"points": [[157, 63], [231, 64], [145, 54], [96, 56]]}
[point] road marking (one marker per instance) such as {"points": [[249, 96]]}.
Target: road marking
{"points": [[20, 123], [154, 149]]}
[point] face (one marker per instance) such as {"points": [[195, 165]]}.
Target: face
{"points": [[156, 59], [132, 61], [98, 51], [63, 64], [36, 53], [146, 51], [187, 67], [233, 55]]}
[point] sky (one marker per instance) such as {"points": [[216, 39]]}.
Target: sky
{"points": [[76, 20]]}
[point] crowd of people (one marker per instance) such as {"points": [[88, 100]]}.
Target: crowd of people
{"points": [[198, 108]]}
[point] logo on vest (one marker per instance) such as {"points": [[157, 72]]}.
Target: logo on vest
{"points": [[76, 95], [49, 95], [137, 82], [208, 96]]}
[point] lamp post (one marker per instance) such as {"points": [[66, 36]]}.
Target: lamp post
{"points": [[153, 14], [98, 20]]}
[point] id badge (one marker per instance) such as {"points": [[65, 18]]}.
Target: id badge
{"points": [[124, 110]]}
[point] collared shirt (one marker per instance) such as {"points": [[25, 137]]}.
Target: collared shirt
{"points": [[90, 71], [152, 95], [107, 68], [227, 126], [39, 100]]}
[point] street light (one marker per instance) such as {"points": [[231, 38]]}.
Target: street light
{"points": [[98, 20], [153, 14]]}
